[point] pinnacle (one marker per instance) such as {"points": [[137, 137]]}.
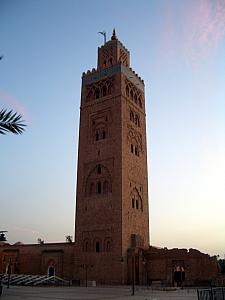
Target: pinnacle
{"points": [[114, 37]]}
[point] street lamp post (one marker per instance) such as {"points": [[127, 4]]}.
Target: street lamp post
{"points": [[122, 263], [133, 272], [144, 273], [9, 272]]}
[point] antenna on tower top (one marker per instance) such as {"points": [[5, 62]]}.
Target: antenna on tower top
{"points": [[104, 34], [2, 236]]}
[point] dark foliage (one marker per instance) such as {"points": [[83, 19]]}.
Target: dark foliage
{"points": [[11, 122], [222, 265]]}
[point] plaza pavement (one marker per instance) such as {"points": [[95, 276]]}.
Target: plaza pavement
{"points": [[94, 293]]}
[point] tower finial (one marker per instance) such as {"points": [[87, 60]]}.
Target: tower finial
{"points": [[114, 37]]}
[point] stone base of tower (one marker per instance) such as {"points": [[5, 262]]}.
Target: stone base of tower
{"points": [[100, 268], [169, 267]]}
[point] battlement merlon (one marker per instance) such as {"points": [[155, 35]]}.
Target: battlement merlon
{"points": [[95, 75]]}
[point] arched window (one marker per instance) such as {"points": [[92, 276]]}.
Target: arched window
{"points": [[97, 93], [111, 61], [99, 169], [132, 148], [131, 116], [91, 190], [135, 98], [109, 89], [97, 247], [140, 102], [51, 271], [104, 91], [136, 151], [89, 96], [97, 135], [137, 122], [108, 246], [99, 187], [105, 187], [127, 91], [86, 246], [132, 202], [101, 131], [136, 204], [131, 95]]}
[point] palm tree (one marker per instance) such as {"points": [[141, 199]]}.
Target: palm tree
{"points": [[11, 122]]}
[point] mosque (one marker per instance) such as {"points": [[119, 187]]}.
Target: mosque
{"points": [[112, 215]]}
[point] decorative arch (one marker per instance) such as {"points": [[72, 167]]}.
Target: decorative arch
{"points": [[133, 93], [131, 116], [51, 271], [104, 90], [127, 91], [101, 131], [98, 181], [108, 244], [136, 200], [134, 139], [86, 245], [99, 89], [137, 120], [97, 93], [97, 246]]}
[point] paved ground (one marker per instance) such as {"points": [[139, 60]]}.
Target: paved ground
{"points": [[93, 293]]}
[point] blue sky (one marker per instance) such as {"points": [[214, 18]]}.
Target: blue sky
{"points": [[178, 48]]}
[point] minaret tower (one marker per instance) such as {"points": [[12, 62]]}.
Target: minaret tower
{"points": [[112, 191]]}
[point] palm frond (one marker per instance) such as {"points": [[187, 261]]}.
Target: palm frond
{"points": [[11, 122]]}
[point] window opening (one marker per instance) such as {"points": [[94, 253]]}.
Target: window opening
{"points": [[99, 188], [103, 134], [131, 116], [51, 271], [136, 204], [131, 95], [99, 169], [108, 246], [91, 191], [97, 247], [127, 91], [136, 151], [132, 148], [97, 136], [97, 93], [86, 247], [132, 202], [104, 91], [105, 187]]}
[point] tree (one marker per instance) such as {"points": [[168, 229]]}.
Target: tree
{"points": [[11, 122], [40, 241], [222, 265], [69, 238]]}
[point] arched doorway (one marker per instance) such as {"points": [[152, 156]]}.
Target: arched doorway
{"points": [[179, 276], [51, 271]]}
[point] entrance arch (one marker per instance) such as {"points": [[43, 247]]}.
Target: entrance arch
{"points": [[51, 271], [179, 276]]}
